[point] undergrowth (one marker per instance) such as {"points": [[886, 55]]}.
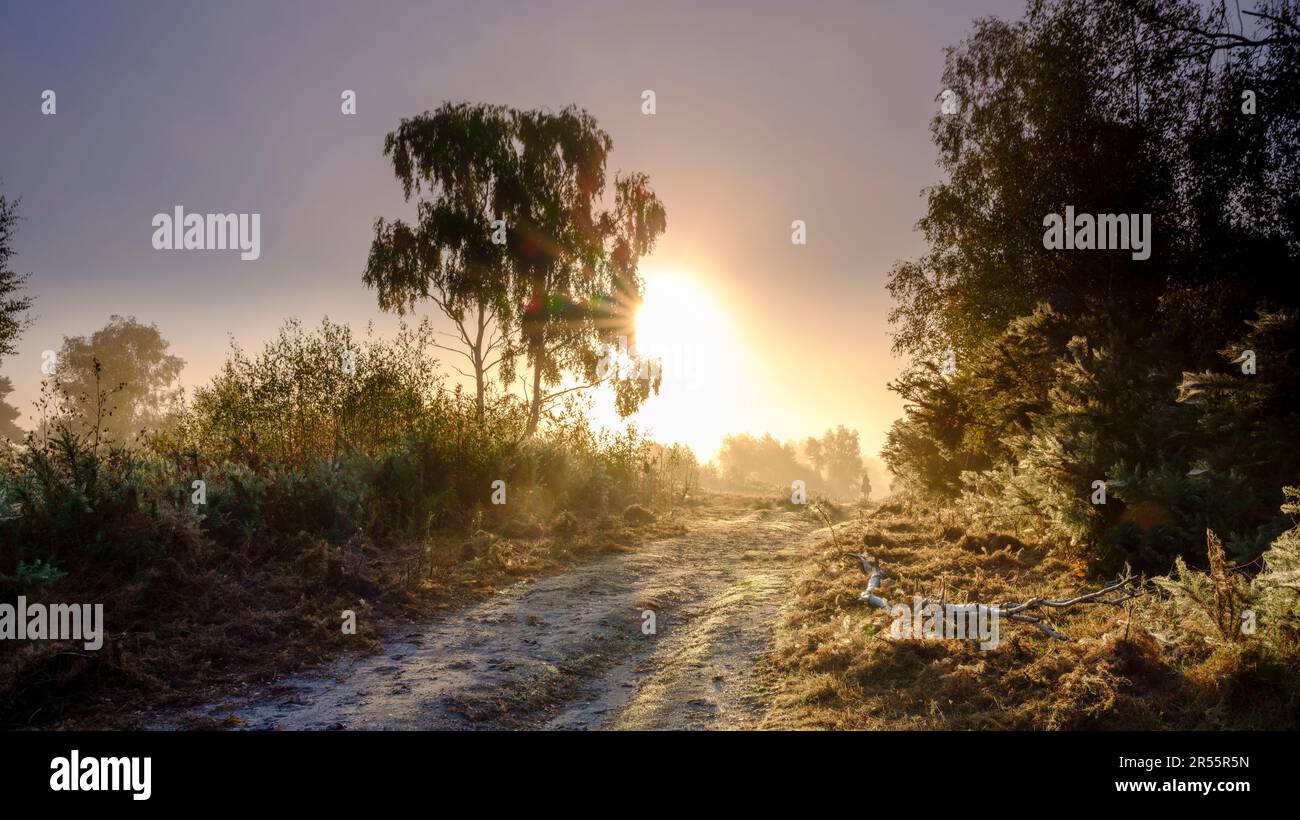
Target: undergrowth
{"points": [[1159, 661]]}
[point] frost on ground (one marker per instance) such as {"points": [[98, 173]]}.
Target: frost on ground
{"points": [[570, 651]]}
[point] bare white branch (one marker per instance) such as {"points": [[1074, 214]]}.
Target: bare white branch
{"points": [[1010, 610]]}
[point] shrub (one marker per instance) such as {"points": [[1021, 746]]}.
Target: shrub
{"points": [[33, 578], [1210, 606], [321, 487]]}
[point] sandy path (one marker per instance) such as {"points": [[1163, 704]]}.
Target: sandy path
{"points": [[568, 651]]}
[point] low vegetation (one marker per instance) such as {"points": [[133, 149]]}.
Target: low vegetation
{"points": [[1163, 660], [323, 488]]}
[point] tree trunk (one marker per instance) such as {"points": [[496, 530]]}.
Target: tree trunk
{"points": [[537, 343], [479, 357], [535, 407]]}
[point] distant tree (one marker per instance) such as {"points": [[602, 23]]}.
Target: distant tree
{"points": [[837, 455], [129, 364], [744, 458], [13, 308], [8, 414]]}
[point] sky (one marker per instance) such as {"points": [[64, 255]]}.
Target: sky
{"points": [[766, 112]]}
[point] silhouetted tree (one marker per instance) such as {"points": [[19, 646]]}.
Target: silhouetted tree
{"points": [[9, 414], [1068, 364], [577, 267], [563, 287], [454, 159], [1093, 105], [13, 308]]}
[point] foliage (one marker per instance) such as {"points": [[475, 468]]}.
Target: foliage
{"points": [[9, 430], [1228, 607], [1276, 589], [314, 395], [1096, 106], [459, 158], [564, 285], [13, 308], [82, 507], [1078, 368], [837, 456], [1241, 418], [324, 488], [761, 462], [33, 578], [130, 361], [288, 442]]}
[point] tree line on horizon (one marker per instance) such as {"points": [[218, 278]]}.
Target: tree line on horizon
{"points": [[832, 464]]}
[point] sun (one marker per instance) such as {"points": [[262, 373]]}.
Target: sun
{"points": [[687, 327], [675, 313]]}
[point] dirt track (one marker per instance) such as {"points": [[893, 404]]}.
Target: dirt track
{"points": [[568, 651]]}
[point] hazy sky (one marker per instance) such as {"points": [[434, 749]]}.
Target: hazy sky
{"points": [[767, 112]]}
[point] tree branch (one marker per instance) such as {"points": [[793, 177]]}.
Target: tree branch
{"points": [[551, 397], [1011, 611]]}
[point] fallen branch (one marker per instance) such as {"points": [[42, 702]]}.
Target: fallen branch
{"points": [[1010, 610]]}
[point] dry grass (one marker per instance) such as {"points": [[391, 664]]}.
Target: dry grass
{"points": [[835, 664]]}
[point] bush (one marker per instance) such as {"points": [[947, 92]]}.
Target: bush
{"points": [[1027, 453], [33, 578], [1226, 607], [78, 506], [321, 486], [566, 523]]}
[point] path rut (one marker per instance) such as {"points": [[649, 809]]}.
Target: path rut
{"points": [[569, 651]]}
